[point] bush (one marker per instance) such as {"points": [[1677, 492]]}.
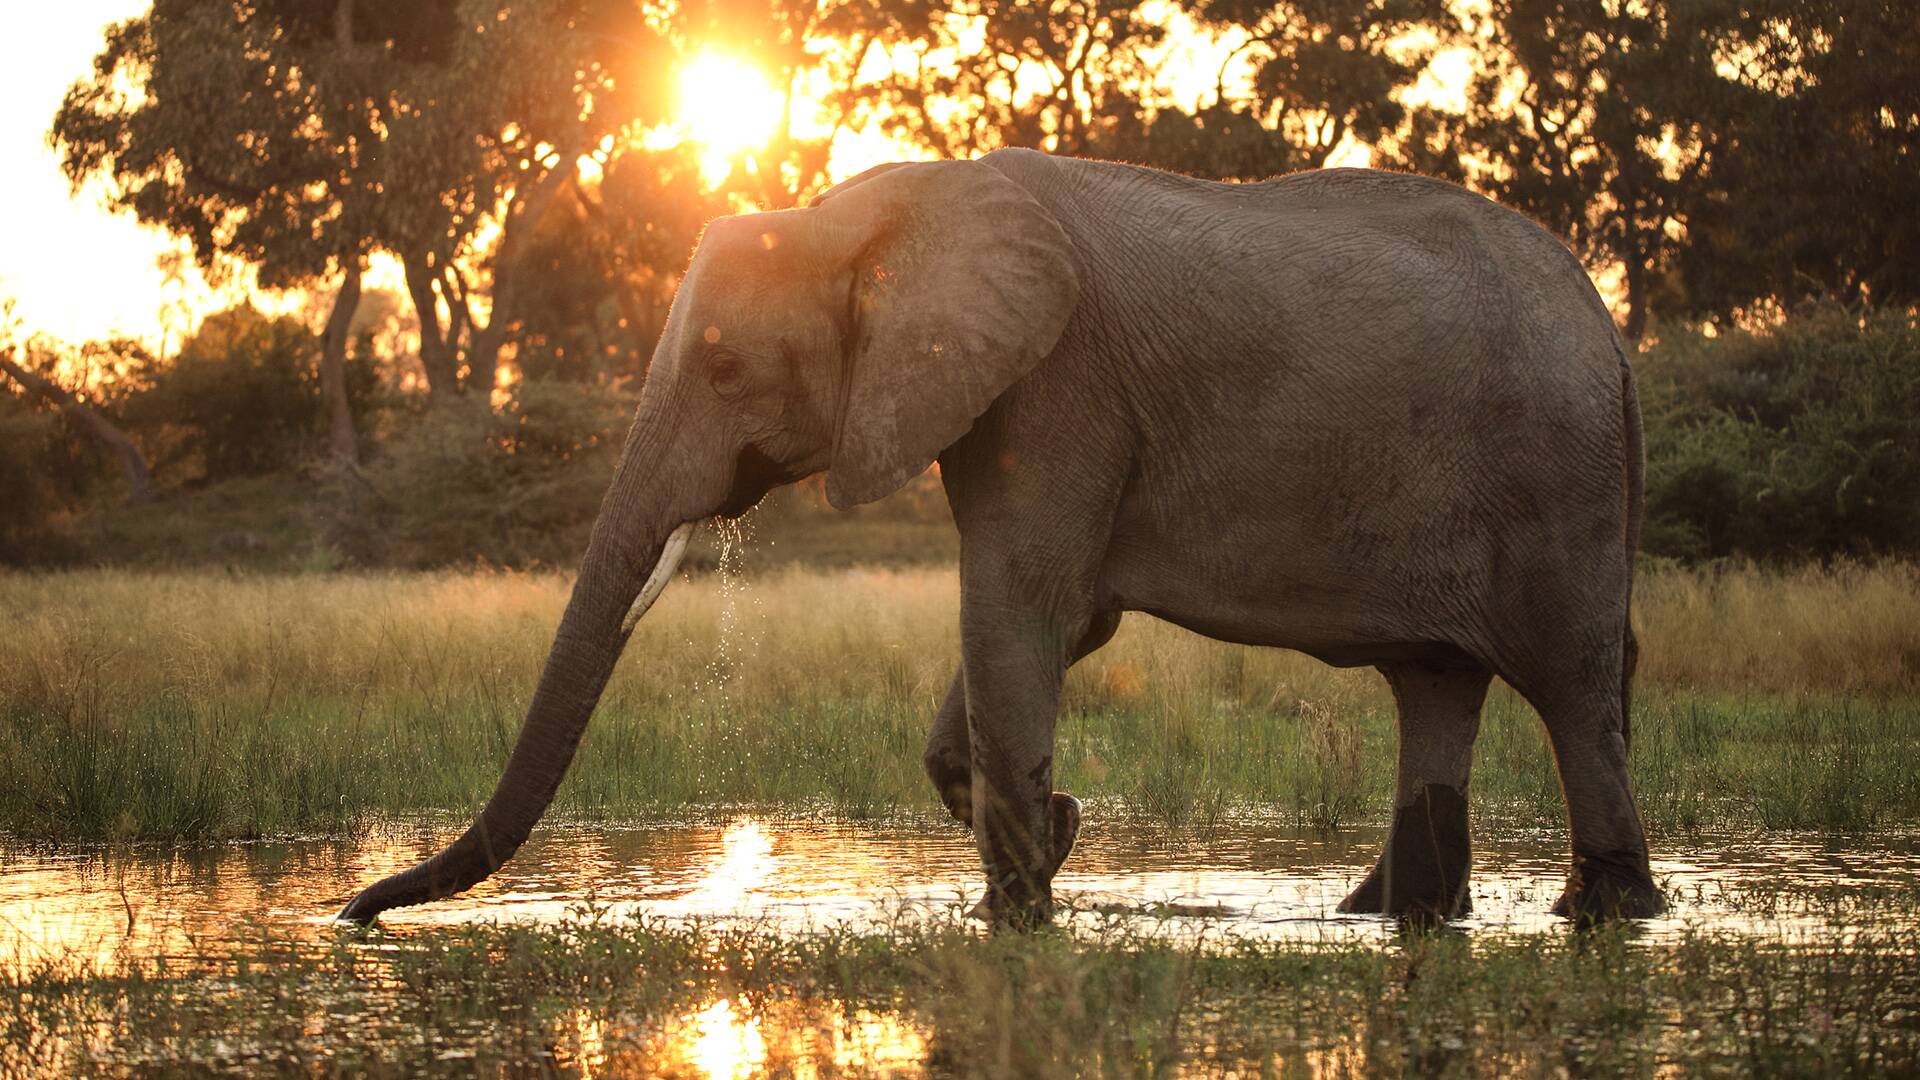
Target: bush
{"points": [[40, 474], [1803, 440], [243, 397], [516, 486]]}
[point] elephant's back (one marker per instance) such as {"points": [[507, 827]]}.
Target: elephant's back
{"points": [[1406, 251]]}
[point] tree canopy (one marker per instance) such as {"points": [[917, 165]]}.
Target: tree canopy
{"points": [[1706, 159], [528, 168]]}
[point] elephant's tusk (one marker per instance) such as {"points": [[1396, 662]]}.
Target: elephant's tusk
{"points": [[670, 555]]}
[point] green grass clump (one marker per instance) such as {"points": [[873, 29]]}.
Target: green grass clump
{"points": [[595, 996], [185, 706]]}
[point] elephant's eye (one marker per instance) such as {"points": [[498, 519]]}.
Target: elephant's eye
{"points": [[723, 371]]}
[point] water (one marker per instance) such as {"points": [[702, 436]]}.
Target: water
{"points": [[1250, 878]]}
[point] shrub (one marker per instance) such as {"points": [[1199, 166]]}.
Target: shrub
{"points": [[1803, 440], [39, 458], [515, 486], [243, 397]]}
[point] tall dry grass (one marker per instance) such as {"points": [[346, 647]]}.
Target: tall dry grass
{"points": [[197, 704], [1852, 628]]}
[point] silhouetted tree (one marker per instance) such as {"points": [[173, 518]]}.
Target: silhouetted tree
{"points": [[297, 137], [1817, 172], [112, 440], [250, 137], [1322, 72], [1574, 117]]}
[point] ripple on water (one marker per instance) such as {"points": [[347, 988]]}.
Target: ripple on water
{"points": [[1251, 878]]}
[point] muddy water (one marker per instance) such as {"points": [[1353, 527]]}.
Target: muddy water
{"points": [[1250, 878]]}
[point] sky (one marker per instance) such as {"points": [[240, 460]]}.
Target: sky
{"points": [[75, 270]]}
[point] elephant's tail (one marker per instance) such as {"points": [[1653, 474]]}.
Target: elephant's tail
{"points": [[1633, 484]]}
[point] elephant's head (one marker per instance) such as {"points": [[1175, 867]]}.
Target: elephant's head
{"points": [[861, 335]]}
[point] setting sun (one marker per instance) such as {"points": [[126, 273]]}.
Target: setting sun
{"points": [[727, 106]]}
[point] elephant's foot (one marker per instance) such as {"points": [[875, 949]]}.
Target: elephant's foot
{"points": [[1029, 908], [1063, 814], [1613, 885], [1423, 872]]}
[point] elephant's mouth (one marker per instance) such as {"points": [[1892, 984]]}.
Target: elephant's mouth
{"points": [[754, 474]]}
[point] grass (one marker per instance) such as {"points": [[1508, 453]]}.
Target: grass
{"points": [[196, 705], [595, 996]]}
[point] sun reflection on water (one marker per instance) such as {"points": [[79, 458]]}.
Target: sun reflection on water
{"points": [[745, 863], [732, 1037], [727, 1043], [869, 1039]]}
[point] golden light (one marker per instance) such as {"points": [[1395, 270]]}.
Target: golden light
{"points": [[727, 106], [727, 1044]]}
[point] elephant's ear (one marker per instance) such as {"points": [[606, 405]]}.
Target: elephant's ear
{"points": [[960, 283]]}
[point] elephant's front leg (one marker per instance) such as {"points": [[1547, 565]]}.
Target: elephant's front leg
{"points": [[1014, 664], [949, 756]]}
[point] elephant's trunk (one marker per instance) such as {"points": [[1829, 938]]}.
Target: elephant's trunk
{"points": [[613, 591]]}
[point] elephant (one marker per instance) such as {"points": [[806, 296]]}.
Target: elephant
{"points": [[1369, 416]]}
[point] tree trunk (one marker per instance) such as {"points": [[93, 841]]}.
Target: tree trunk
{"points": [[343, 27], [523, 217], [1636, 265], [437, 357], [132, 462], [333, 367]]}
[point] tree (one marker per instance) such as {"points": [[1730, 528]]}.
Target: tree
{"points": [[1575, 117], [244, 134], [1087, 78], [244, 396], [604, 263], [971, 76], [1323, 72], [297, 138], [488, 142], [1818, 170], [119, 362], [133, 464]]}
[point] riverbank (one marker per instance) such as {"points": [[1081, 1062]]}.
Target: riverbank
{"points": [[602, 996]]}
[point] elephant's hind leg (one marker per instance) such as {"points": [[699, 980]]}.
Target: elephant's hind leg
{"points": [[1423, 870], [949, 755], [948, 759], [1585, 721]]}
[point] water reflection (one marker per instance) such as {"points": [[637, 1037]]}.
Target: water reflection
{"points": [[744, 865], [1253, 878], [730, 1038], [726, 1046]]}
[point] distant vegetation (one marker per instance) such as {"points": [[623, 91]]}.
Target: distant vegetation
{"points": [[1802, 441], [1797, 441]]}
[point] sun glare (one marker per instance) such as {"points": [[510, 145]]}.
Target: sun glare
{"points": [[726, 106]]}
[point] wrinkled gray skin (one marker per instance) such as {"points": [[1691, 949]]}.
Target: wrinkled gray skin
{"points": [[1368, 416]]}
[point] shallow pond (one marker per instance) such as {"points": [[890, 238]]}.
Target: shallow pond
{"points": [[1249, 878]]}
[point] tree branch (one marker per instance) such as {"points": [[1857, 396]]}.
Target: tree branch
{"points": [[115, 441]]}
